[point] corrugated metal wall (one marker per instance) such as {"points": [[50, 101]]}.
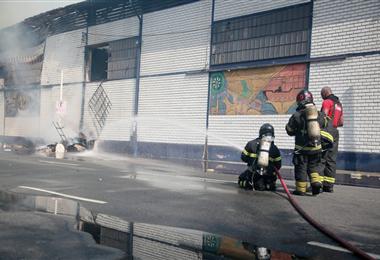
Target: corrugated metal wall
{"points": [[152, 241], [170, 235], [356, 82], [48, 109], [120, 92], [113, 31], [47, 113], [119, 122], [148, 249], [63, 52], [17, 126], [236, 131], [225, 9], [2, 112], [172, 108], [350, 27], [23, 122], [176, 39]]}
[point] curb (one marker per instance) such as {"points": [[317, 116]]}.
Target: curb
{"points": [[351, 178]]}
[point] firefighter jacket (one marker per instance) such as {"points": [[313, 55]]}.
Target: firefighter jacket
{"points": [[328, 134], [332, 107], [297, 126], [250, 155]]}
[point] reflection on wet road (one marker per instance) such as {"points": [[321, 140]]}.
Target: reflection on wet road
{"points": [[140, 240], [167, 194]]}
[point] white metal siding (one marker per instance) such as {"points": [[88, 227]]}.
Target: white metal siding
{"points": [[2, 112], [225, 9], [172, 109], [119, 122], [113, 31], [345, 26], [176, 39], [349, 27], [63, 52], [170, 235], [72, 95], [47, 113], [236, 131], [356, 82], [148, 249], [24, 125], [21, 126]]}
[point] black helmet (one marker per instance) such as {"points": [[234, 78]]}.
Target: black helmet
{"points": [[304, 97], [266, 129]]}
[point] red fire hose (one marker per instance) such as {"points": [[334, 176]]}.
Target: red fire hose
{"points": [[356, 251]]}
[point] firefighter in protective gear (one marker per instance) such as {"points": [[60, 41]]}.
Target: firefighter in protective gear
{"points": [[332, 107], [261, 156], [306, 124]]}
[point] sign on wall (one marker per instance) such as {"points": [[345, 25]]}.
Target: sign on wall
{"points": [[259, 91], [24, 103]]}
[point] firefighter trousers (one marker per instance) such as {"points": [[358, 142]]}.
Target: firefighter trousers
{"points": [[307, 165], [329, 164]]}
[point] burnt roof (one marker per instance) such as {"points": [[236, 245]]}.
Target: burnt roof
{"points": [[80, 15]]}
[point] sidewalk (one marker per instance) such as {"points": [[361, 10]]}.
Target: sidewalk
{"points": [[343, 177], [352, 178]]}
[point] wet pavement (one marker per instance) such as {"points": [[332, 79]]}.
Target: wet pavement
{"points": [[163, 193], [41, 227], [28, 233]]}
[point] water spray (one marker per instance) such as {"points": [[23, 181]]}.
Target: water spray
{"points": [[205, 153], [355, 250]]}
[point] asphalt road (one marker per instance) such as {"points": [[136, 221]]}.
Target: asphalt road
{"points": [[164, 193]]}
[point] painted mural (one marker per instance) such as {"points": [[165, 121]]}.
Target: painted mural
{"points": [[24, 103], [261, 91]]}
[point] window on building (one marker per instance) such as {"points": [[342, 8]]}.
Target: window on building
{"points": [[114, 60], [99, 61], [270, 35]]}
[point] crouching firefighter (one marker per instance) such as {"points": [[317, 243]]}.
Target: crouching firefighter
{"points": [[305, 124], [261, 156]]}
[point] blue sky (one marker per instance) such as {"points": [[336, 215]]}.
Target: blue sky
{"points": [[14, 11]]}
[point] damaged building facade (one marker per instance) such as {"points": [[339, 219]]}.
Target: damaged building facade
{"points": [[192, 79]]}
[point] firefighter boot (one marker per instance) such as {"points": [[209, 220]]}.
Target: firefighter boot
{"points": [[299, 193], [316, 188], [328, 189], [259, 184], [271, 186], [300, 188]]}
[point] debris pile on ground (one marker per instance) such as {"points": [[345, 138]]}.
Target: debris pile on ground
{"points": [[73, 145], [77, 144], [47, 150], [18, 145]]}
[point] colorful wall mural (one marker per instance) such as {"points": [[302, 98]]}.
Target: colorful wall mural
{"points": [[260, 91]]}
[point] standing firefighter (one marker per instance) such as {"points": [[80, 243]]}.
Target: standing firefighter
{"points": [[261, 156], [305, 124], [332, 107]]}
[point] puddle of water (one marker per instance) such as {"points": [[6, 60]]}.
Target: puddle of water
{"points": [[141, 240]]}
